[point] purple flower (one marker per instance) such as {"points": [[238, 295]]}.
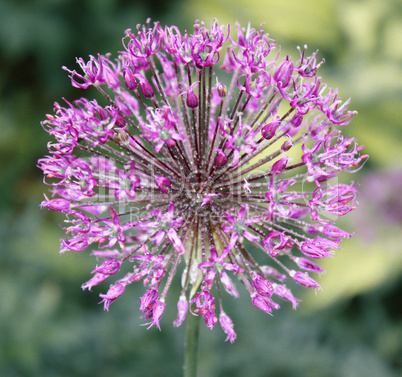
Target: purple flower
{"points": [[205, 305], [182, 308], [61, 205], [112, 294], [157, 311], [304, 280], [285, 294], [227, 326], [262, 286], [261, 303], [108, 267], [172, 164], [98, 278], [147, 302]]}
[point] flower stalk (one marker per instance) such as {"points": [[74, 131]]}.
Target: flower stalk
{"points": [[191, 346]]}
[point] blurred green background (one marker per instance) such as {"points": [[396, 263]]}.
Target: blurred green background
{"points": [[49, 327]]}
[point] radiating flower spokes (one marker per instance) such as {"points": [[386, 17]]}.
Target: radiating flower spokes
{"points": [[174, 165]]}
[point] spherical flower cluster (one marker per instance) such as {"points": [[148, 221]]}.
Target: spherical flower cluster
{"points": [[182, 170]]}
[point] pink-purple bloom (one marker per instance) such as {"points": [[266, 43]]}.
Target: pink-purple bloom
{"points": [[174, 165], [227, 326], [112, 294]]}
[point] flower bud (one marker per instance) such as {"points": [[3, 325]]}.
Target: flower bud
{"points": [[148, 299], [158, 309], [182, 308], [192, 100], [296, 120], [112, 294], [227, 326], [272, 303], [279, 165], [268, 131], [146, 88], [260, 303], [268, 270], [129, 78], [102, 113], [287, 145], [307, 265], [221, 158], [163, 183], [313, 251], [61, 205], [120, 121], [228, 285], [108, 267], [263, 286], [222, 90], [303, 279], [285, 294], [95, 280], [333, 232]]}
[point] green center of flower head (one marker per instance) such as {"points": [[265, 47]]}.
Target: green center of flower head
{"points": [[203, 56], [253, 85], [123, 137], [239, 226], [114, 231], [164, 134], [315, 157], [164, 225], [83, 183], [278, 197], [98, 127], [239, 142]]}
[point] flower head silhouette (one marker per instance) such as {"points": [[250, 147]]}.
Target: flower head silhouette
{"points": [[215, 176]]}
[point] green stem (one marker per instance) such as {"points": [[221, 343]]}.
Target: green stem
{"points": [[191, 346]]}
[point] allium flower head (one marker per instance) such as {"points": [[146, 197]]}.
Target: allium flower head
{"points": [[179, 170]]}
